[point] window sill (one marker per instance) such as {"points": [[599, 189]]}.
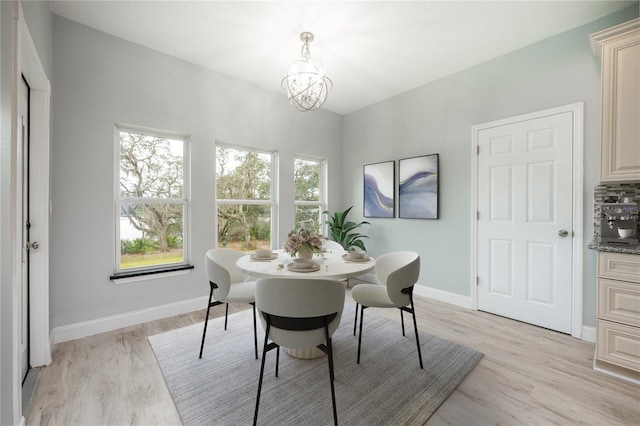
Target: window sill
{"points": [[150, 274]]}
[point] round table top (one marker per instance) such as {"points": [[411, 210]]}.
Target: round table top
{"points": [[332, 266]]}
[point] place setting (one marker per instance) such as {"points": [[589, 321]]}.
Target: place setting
{"points": [[355, 256], [303, 265], [265, 255]]}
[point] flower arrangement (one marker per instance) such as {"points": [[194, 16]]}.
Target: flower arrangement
{"points": [[303, 240]]}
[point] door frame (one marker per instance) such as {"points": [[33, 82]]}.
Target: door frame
{"points": [[577, 111], [27, 62]]}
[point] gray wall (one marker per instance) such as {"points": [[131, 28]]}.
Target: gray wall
{"points": [[437, 118], [39, 19], [99, 80]]}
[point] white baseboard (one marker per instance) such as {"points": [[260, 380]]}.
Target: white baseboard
{"points": [[443, 296], [101, 325], [589, 333]]}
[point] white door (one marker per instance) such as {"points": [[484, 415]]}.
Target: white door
{"points": [[524, 228], [23, 140]]}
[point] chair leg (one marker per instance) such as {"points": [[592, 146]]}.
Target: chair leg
{"points": [[206, 321], [226, 314], [264, 356], [255, 334], [415, 327], [277, 359], [331, 374], [355, 321], [360, 332], [402, 321]]}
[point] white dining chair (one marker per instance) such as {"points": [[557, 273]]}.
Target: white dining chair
{"points": [[332, 245], [299, 313], [228, 285], [397, 273]]}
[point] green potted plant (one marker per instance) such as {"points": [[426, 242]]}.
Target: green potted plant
{"points": [[341, 230]]}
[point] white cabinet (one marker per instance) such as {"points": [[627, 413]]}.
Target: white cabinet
{"points": [[620, 143], [618, 316]]}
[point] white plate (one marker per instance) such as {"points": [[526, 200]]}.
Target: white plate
{"points": [[292, 268], [273, 256], [364, 259]]}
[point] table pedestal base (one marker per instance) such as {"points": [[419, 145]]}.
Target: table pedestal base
{"points": [[304, 353]]}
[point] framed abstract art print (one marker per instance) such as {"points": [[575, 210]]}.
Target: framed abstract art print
{"points": [[418, 188], [379, 189]]}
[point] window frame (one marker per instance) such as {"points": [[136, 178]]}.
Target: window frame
{"points": [[273, 192], [322, 189], [147, 272]]}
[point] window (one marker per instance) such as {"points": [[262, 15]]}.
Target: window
{"points": [[244, 198], [152, 207], [309, 193]]}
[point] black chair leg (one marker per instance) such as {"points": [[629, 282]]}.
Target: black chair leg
{"points": [[226, 314], [402, 321], [355, 321], [360, 332], [415, 327], [277, 360], [331, 374], [206, 321], [255, 334], [264, 356]]}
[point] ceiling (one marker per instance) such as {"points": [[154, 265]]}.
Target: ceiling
{"points": [[371, 50]]}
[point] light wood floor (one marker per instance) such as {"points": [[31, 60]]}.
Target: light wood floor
{"points": [[528, 376]]}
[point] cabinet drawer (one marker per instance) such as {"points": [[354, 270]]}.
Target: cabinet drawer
{"points": [[619, 301], [619, 266], [618, 345]]}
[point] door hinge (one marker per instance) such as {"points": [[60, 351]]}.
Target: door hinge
{"points": [[477, 280], [477, 215], [478, 150]]}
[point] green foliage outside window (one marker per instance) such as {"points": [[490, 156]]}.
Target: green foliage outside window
{"points": [[243, 177], [151, 203]]}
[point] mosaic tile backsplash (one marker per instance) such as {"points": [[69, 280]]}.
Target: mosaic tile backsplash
{"points": [[610, 193]]}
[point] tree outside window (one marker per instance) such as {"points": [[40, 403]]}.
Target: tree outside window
{"points": [[308, 197], [244, 198], [151, 203]]}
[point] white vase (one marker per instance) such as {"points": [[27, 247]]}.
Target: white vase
{"points": [[304, 252]]}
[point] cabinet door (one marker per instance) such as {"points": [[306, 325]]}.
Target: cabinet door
{"points": [[619, 266], [618, 344], [620, 159], [619, 301]]}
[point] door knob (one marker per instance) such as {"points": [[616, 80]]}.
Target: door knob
{"points": [[34, 245], [563, 233]]}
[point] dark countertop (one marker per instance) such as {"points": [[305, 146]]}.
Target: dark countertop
{"points": [[596, 245]]}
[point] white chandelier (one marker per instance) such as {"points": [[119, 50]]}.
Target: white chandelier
{"points": [[306, 82]]}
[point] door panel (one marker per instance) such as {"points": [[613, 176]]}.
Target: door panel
{"points": [[501, 267], [524, 200]]}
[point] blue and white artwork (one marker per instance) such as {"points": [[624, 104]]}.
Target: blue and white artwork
{"points": [[379, 187], [418, 189]]}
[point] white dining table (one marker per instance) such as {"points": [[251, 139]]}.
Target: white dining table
{"points": [[333, 266]]}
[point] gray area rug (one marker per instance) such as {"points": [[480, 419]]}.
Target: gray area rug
{"points": [[386, 388]]}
